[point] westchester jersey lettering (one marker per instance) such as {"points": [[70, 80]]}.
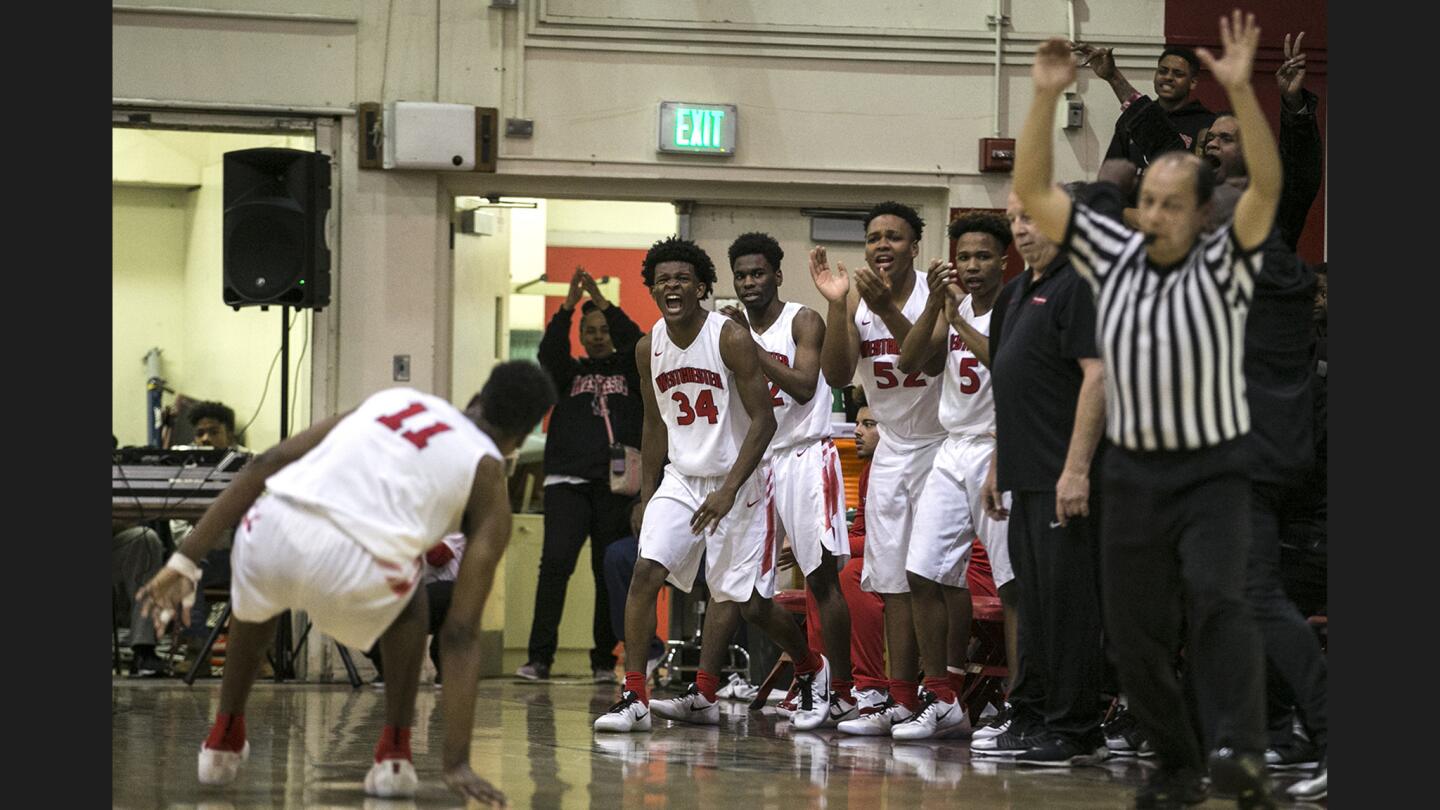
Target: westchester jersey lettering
{"points": [[873, 348], [701, 376]]}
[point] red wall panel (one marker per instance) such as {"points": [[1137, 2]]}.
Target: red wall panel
{"points": [[622, 263], [1196, 23]]}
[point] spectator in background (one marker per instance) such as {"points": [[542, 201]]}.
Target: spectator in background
{"points": [[136, 554], [214, 425], [1301, 155], [1146, 128], [1303, 562], [603, 385]]}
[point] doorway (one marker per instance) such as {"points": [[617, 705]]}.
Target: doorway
{"points": [[166, 276]]}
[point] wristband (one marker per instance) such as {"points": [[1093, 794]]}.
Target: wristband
{"points": [[184, 566]]}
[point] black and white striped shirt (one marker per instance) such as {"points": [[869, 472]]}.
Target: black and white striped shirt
{"points": [[1172, 339]]}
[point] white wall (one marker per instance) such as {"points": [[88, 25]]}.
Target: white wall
{"points": [[840, 102]]}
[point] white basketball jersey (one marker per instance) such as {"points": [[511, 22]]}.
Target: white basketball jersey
{"points": [[795, 424], [905, 405], [966, 404], [395, 474], [704, 417]]}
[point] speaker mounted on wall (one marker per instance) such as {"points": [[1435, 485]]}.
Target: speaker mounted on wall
{"points": [[274, 238]]}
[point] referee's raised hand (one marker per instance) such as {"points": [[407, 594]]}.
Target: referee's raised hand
{"points": [[1240, 38]]}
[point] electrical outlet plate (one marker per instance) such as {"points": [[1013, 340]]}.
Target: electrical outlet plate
{"points": [[1071, 111], [402, 368]]}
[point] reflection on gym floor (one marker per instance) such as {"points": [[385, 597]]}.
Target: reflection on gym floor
{"points": [[311, 746]]}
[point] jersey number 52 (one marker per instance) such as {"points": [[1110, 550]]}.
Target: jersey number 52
{"points": [[885, 376]]}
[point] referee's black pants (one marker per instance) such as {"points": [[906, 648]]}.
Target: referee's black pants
{"points": [[1061, 661], [1175, 537], [1291, 649], [574, 512]]}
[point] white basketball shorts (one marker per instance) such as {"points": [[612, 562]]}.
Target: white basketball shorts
{"points": [[950, 514], [740, 555], [897, 477], [291, 557], [810, 502]]}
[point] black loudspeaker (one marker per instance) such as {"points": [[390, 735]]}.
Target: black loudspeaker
{"points": [[275, 206]]}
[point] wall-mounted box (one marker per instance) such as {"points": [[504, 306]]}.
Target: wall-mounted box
{"points": [[997, 154], [426, 135]]}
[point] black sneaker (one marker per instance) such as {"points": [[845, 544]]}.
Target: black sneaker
{"points": [[996, 725], [1124, 738], [1061, 751], [148, 665], [1314, 788], [1171, 790], [1241, 776], [1019, 737], [1298, 754]]}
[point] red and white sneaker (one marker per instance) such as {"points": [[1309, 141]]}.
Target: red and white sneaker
{"points": [[392, 779], [218, 767]]}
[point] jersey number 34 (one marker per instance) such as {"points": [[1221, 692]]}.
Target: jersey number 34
{"points": [[704, 406]]}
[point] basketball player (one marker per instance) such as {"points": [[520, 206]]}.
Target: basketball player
{"points": [[334, 521], [868, 321], [950, 512], [708, 407], [804, 464]]}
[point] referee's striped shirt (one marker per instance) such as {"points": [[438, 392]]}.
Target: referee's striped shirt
{"points": [[1172, 338]]}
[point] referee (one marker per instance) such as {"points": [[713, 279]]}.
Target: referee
{"points": [[1172, 308]]}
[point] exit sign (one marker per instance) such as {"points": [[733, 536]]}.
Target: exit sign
{"points": [[697, 129]]}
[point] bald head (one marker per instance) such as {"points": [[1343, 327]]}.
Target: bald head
{"points": [[1173, 205]]}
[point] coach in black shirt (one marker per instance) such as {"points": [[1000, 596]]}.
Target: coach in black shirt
{"points": [[1049, 408], [1172, 308], [578, 500]]}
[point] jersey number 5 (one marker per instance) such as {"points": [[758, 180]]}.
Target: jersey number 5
{"points": [[704, 406], [419, 438], [969, 379], [885, 377]]}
